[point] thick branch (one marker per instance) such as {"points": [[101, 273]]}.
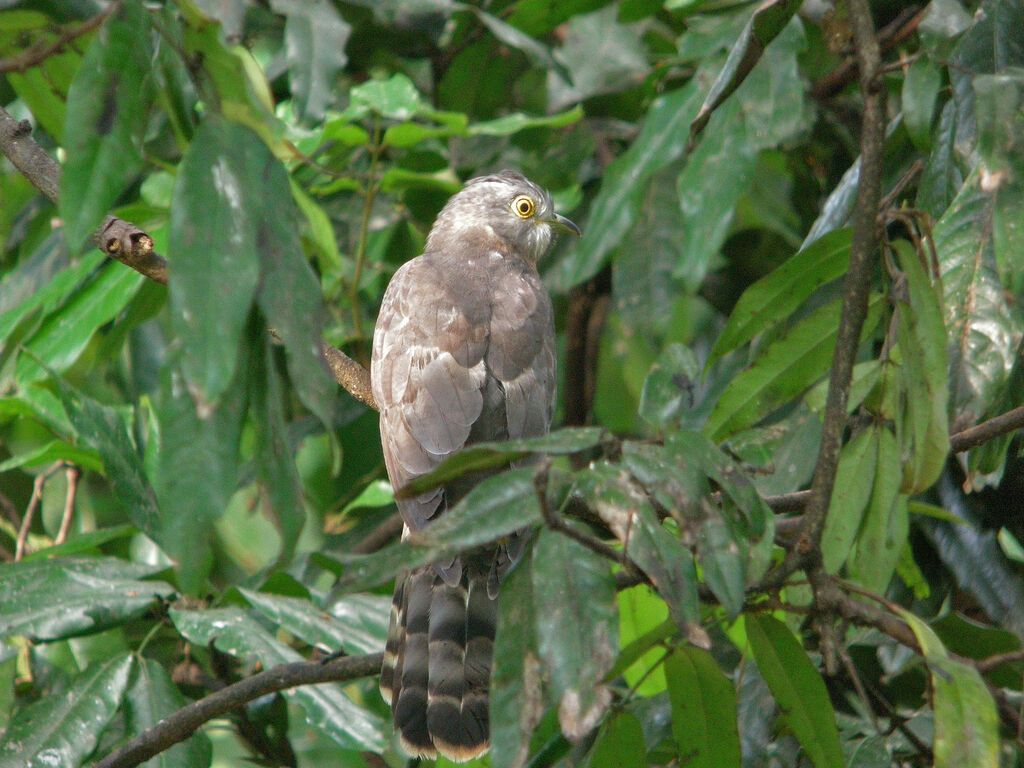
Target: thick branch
{"points": [[125, 242], [187, 720], [995, 427]]}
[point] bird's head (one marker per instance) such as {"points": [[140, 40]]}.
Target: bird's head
{"points": [[513, 208]]}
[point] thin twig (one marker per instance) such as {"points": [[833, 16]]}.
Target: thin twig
{"points": [[43, 50], [30, 511], [183, 723], [72, 473]]}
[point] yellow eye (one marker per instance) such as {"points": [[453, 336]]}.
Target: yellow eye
{"points": [[523, 207]]}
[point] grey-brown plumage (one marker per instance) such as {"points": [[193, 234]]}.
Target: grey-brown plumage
{"points": [[463, 352]]}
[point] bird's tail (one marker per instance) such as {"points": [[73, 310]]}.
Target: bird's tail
{"points": [[437, 663]]}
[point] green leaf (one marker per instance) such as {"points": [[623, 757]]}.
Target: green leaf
{"points": [[924, 372], [979, 322], [106, 121], [765, 24], [850, 497], [777, 294], [83, 542], [703, 710], [357, 624], [966, 722], [49, 599], [496, 507], [884, 530], [517, 702], [797, 687], [723, 562], [150, 698], [573, 587], [55, 450], [509, 35], [104, 430], [517, 121], [64, 334], [784, 369], [196, 464], [64, 730], [920, 93], [395, 98], [315, 36], [942, 177], [620, 743], [483, 456], [326, 707], [630, 516], [614, 210], [216, 234]]}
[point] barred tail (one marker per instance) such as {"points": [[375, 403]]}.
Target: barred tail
{"points": [[437, 664]]}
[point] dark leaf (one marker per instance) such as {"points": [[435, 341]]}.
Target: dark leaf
{"points": [[703, 710], [151, 697]]}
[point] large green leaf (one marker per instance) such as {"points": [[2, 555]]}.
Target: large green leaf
{"points": [[63, 597], [774, 297], [850, 497], [215, 240], [64, 730], [326, 706], [356, 625], [517, 700], [784, 369], [573, 590], [620, 743], [924, 372], [978, 319], [966, 723], [703, 710], [150, 698], [797, 687], [106, 121], [614, 209]]}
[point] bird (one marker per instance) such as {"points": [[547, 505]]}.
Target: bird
{"points": [[463, 352]]}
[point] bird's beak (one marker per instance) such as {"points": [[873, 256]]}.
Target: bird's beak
{"points": [[565, 225]]}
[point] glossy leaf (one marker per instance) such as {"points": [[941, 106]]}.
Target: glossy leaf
{"points": [[64, 730], [573, 587], [703, 710], [517, 700], [106, 121], [356, 624], [64, 597], [797, 687], [326, 707]]}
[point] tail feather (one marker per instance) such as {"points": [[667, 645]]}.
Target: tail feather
{"points": [[437, 664]]}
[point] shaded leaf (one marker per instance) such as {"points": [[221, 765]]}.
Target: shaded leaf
{"points": [[151, 697], [703, 710], [777, 294], [797, 687], [107, 109], [620, 743], [573, 588], [315, 36], [850, 497]]}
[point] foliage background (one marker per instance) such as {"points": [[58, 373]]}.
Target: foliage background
{"points": [[187, 498]]}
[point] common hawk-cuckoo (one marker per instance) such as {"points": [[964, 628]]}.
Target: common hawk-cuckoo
{"points": [[463, 351]]}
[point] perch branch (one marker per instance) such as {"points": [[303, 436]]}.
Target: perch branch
{"points": [[183, 723]]}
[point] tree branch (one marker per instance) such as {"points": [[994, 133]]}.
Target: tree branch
{"points": [[43, 50], [183, 723], [855, 289], [123, 241]]}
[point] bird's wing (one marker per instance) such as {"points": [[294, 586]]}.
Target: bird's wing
{"points": [[427, 374]]}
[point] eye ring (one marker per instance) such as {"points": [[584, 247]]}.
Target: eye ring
{"points": [[523, 207]]}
